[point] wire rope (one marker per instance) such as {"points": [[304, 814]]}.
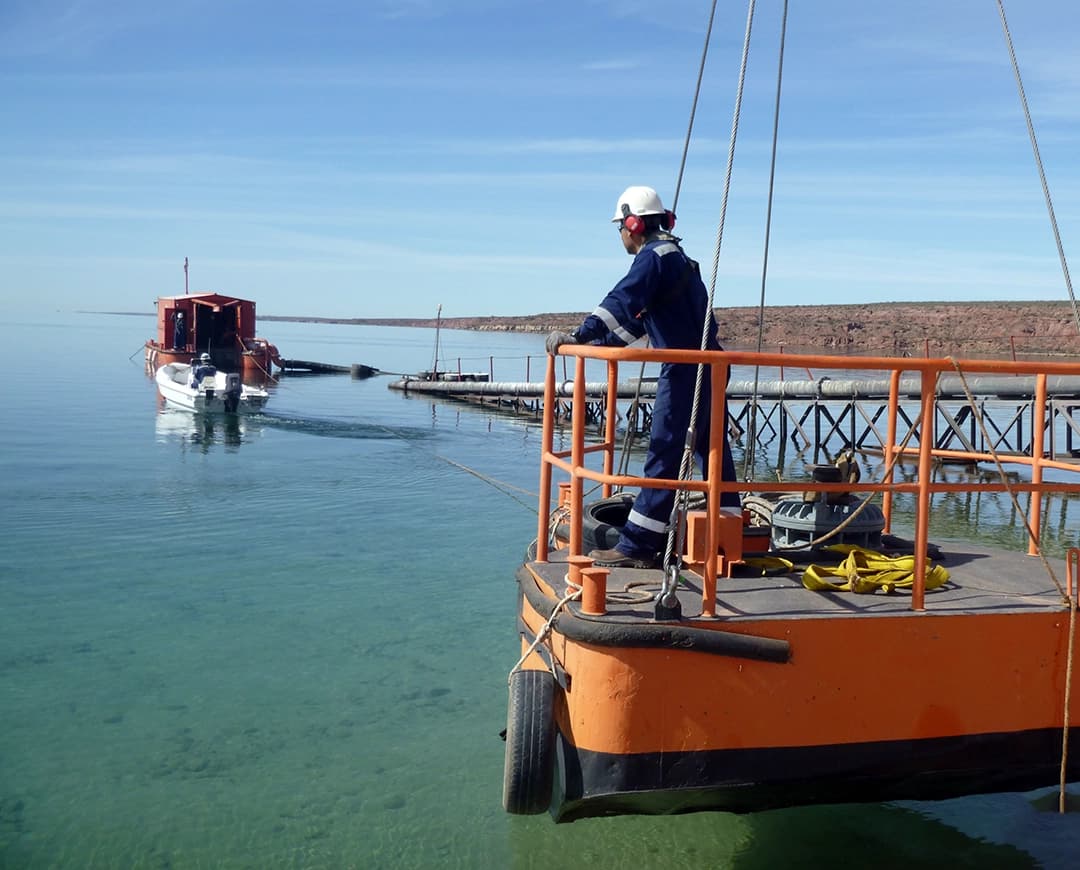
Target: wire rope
{"points": [[751, 444], [675, 530], [628, 436], [1076, 320], [1039, 163]]}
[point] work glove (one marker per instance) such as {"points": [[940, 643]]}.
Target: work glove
{"points": [[557, 339]]}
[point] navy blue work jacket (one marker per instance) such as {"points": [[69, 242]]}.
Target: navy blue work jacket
{"points": [[662, 295]]}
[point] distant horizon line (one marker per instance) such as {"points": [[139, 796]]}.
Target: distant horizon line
{"points": [[401, 319]]}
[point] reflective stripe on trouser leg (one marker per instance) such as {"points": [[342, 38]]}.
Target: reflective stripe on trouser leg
{"points": [[646, 529], [671, 416]]}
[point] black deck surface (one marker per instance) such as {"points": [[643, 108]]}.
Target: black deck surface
{"points": [[982, 580]]}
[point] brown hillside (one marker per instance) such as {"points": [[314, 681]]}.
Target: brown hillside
{"points": [[959, 329]]}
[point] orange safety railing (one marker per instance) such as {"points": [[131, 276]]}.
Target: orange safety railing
{"points": [[718, 365]]}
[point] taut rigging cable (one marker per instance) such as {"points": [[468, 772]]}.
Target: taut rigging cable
{"points": [[1039, 163], [624, 456], [751, 441], [676, 529]]}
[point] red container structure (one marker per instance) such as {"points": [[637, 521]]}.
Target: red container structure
{"points": [[223, 326]]}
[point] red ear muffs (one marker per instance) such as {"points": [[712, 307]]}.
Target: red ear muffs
{"points": [[636, 225]]}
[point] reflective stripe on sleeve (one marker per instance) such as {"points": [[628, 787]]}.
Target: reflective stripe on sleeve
{"points": [[617, 329], [609, 319]]}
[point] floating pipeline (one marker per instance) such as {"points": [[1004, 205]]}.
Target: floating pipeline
{"points": [[948, 386], [306, 367]]}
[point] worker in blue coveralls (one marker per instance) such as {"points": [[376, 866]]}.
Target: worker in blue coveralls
{"points": [[179, 341], [203, 367], [662, 296]]}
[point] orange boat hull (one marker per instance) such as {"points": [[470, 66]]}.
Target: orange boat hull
{"points": [[884, 707]]}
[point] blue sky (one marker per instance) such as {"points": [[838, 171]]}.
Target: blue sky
{"points": [[361, 158]]}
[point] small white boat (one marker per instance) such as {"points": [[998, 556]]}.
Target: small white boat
{"points": [[202, 388]]}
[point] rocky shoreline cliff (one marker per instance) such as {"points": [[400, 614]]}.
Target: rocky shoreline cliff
{"points": [[911, 328]]}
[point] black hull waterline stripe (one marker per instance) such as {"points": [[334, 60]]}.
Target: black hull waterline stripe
{"points": [[751, 780]]}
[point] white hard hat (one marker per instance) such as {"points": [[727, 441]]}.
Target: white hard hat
{"points": [[205, 358], [638, 200]]}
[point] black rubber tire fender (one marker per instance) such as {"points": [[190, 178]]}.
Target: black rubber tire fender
{"points": [[602, 520], [529, 768]]}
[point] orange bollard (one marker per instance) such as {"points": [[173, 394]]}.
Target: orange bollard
{"points": [[594, 591], [576, 564]]}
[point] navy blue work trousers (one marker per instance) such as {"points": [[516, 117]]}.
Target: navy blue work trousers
{"points": [[646, 529]]}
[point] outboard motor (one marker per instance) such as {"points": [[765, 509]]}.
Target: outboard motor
{"points": [[232, 392]]}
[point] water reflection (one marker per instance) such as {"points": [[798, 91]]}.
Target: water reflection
{"points": [[203, 431], [865, 835], [848, 835]]}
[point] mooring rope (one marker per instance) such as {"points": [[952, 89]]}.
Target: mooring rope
{"points": [[1005, 478], [501, 485], [263, 370], [897, 455], [1073, 562], [573, 593], [1067, 596], [833, 532]]}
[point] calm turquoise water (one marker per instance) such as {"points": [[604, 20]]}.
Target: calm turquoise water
{"points": [[284, 643]]}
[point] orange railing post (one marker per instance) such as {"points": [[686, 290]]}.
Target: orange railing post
{"points": [[1038, 423], [610, 412], [577, 454], [546, 446], [889, 447], [922, 508], [717, 412], [923, 488]]}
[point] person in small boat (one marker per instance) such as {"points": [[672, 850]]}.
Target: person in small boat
{"points": [[663, 297], [179, 341], [201, 369]]}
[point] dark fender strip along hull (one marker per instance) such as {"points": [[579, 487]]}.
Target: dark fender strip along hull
{"points": [[660, 635]]}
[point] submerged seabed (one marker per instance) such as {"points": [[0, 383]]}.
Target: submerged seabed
{"points": [[283, 641]]}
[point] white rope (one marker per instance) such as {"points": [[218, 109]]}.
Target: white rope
{"points": [[575, 592], [978, 417], [1063, 781]]}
